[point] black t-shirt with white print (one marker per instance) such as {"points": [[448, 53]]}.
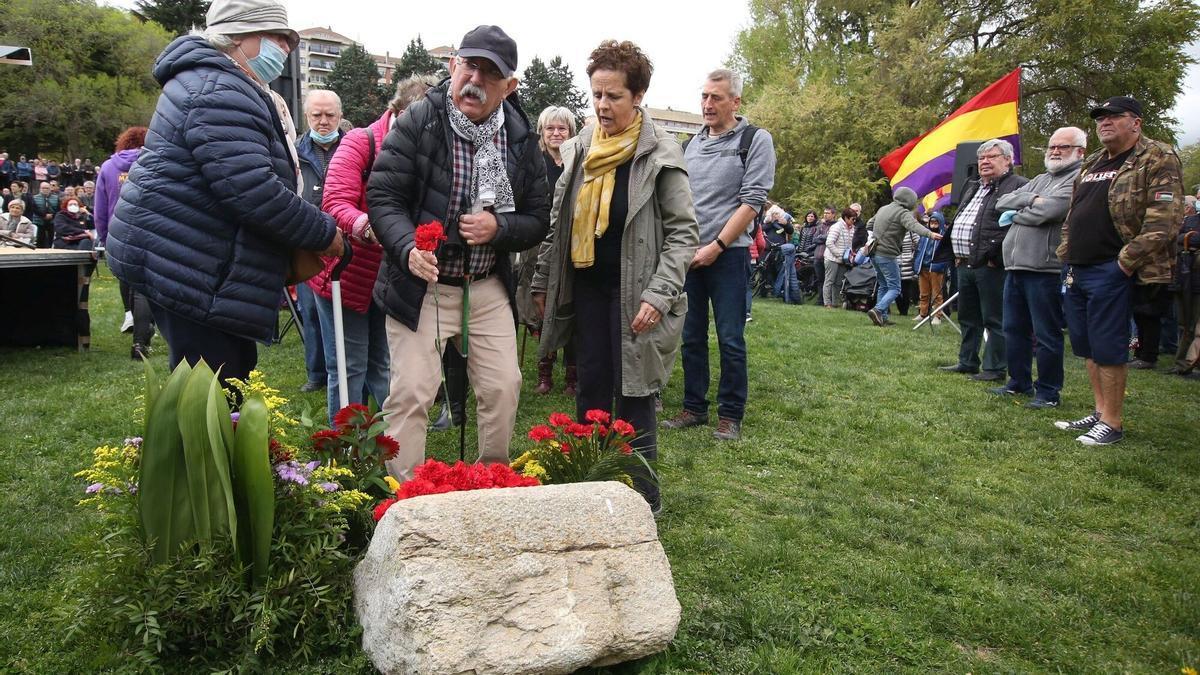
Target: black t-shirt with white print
{"points": [[1091, 236]]}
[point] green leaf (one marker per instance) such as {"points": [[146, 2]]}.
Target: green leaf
{"points": [[164, 502]]}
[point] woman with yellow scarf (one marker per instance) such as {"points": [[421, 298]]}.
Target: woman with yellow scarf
{"points": [[622, 234]]}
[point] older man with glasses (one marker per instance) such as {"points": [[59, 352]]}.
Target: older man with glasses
{"points": [[977, 238], [1126, 209], [465, 155], [1034, 214]]}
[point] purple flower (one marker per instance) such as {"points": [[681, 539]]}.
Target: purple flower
{"points": [[329, 487], [235, 416], [312, 466], [133, 487], [136, 441], [94, 488]]}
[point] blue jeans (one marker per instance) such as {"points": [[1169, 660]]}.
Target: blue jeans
{"points": [[787, 284], [887, 280], [365, 338], [749, 288], [314, 352], [1033, 310], [724, 285]]}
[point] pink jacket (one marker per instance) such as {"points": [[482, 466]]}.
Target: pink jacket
{"points": [[345, 198]]}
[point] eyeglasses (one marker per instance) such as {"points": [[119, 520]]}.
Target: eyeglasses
{"points": [[483, 66], [1062, 148], [992, 155]]}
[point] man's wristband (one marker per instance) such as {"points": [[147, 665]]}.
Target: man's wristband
{"points": [[720, 243]]}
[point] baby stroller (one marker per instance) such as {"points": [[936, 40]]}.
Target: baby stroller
{"points": [[859, 287], [765, 271], [806, 272]]}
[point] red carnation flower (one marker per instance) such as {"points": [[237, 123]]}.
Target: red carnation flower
{"points": [[541, 433], [566, 448], [623, 428], [626, 449], [429, 235], [579, 430], [560, 419], [601, 429], [598, 416], [388, 445], [382, 508], [348, 415], [326, 435]]}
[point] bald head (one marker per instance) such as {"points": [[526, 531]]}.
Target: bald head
{"points": [[323, 111]]}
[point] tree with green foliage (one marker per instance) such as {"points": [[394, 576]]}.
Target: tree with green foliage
{"points": [[90, 79], [355, 79], [417, 60], [1190, 156], [839, 83], [543, 85], [177, 16]]}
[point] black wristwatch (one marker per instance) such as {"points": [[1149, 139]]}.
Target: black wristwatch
{"points": [[720, 243]]}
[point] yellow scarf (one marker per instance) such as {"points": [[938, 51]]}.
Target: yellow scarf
{"points": [[599, 178]]}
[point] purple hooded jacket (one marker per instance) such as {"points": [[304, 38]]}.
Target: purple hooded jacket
{"points": [[108, 188]]}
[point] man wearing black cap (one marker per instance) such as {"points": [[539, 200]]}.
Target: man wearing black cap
{"points": [[1125, 210], [466, 156]]}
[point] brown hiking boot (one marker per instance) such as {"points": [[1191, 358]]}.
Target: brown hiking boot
{"points": [[728, 430], [545, 382], [572, 379], [684, 419]]}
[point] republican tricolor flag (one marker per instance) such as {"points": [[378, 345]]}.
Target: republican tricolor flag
{"points": [[926, 163]]}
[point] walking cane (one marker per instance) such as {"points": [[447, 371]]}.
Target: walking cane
{"points": [[462, 376], [934, 313], [339, 333]]}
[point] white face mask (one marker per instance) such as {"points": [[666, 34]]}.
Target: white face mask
{"points": [[74, 208]]}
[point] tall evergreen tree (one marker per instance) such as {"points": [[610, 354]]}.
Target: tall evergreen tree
{"points": [[177, 16], [355, 79], [545, 85], [417, 60]]}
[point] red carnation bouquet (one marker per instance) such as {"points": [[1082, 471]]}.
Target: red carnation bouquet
{"points": [[429, 236], [357, 441], [595, 449], [434, 477]]}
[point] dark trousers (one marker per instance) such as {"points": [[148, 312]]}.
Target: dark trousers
{"points": [[1151, 302], [819, 269], [908, 295], [598, 348], [1187, 311], [980, 306], [143, 318], [1033, 309], [191, 341], [723, 284]]}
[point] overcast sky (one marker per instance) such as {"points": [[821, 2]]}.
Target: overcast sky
{"points": [[683, 41]]}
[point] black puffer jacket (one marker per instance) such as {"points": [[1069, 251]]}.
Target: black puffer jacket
{"points": [[987, 239], [410, 184]]}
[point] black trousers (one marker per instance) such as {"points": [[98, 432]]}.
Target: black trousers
{"points": [[598, 354], [1150, 304], [191, 341]]}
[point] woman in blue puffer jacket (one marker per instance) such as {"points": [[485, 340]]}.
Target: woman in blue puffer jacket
{"points": [[209, 215]]}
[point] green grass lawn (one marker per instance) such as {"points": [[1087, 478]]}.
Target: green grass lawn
{"points": [[877, 516]]}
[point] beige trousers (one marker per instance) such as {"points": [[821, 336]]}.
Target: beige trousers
{"points": [[416, 370]]}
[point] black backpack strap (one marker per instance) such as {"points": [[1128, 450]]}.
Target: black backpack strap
{"points": [[747, 139], [686, 141], [366, 172]]}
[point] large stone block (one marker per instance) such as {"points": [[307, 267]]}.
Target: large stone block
{"points": [[516, 580]]}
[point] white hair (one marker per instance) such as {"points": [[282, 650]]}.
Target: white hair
{"points": [[219, 41], [1078, 136], [314, 94], [727, 75], [1000, 144]]}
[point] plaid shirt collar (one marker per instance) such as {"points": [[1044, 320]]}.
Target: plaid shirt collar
{"points": [[964, 222], [479, 259]]}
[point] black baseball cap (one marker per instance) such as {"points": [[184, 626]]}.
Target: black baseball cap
{"points": [[1117, 105], [493, 44]]}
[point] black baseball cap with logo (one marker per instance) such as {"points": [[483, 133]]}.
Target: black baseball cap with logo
{"points": [[1118, 105], [493, 44]]}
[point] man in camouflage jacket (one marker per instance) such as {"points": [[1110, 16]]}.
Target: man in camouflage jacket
{"points": [[1125, 212]]}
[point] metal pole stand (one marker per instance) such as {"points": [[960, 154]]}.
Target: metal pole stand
{"points": [[933, 313]]}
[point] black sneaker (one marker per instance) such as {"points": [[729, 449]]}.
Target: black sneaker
{"points": [[684, 420], [876, 317], [1139, 364], [1041, 404], [312, 385], [1101, 434], [1082, 424], [1005, 391]]}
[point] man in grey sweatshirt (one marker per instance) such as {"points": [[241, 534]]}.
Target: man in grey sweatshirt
{"points": [[889, 225], [1033, 307], [728, 190]]}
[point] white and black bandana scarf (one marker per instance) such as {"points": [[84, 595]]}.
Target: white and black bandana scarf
{"points": [[489, 175]]}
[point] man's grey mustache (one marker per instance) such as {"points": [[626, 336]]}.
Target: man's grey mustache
{"points": [[473, 90]]}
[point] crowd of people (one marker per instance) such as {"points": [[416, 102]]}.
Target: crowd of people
{"points": [[36, 208], [613, 243]]}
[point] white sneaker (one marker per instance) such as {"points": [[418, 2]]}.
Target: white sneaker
{"points": [[936, 321], [917, 318], [127, 324], [749, 318]]}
